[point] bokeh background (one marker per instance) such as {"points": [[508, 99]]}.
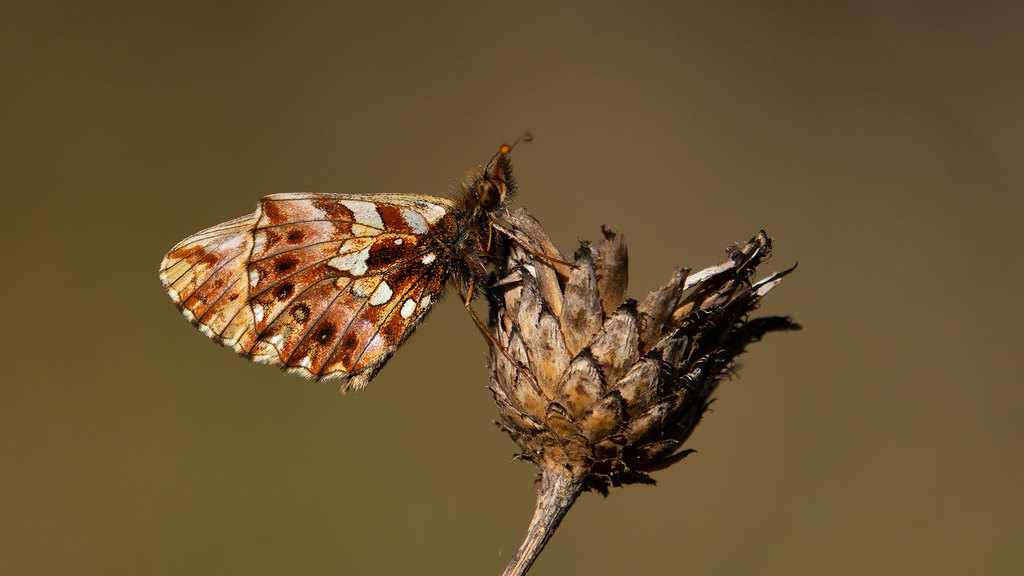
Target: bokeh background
{"points": [[881, 146]]}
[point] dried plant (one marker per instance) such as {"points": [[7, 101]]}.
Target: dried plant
{"points": [[599, 390]]}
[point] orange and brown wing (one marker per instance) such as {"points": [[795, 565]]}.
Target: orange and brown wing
{"points": [[329, 285], [205, 275]]}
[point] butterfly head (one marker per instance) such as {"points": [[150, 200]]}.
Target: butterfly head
{"points": [[492, 188]]}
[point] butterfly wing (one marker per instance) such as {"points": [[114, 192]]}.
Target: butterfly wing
{"points": [[205, 276], [322, 285]]}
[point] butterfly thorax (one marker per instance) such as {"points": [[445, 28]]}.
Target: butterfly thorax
{"points": [[473, 252]]}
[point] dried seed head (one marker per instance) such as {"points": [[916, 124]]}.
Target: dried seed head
{"points": [[603, 388]]}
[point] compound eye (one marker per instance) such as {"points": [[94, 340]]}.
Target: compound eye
{"points": [[487, 193]]}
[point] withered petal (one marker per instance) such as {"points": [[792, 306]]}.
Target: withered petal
{"points": [[579, 322], [604, 418], [582, 384], [657, 308], [648, 424], [547, 353], [617, 346], [558, 421], [531, 241], [639, 387], [612, 270]]}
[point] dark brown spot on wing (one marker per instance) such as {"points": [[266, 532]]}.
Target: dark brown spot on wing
{"points": [[415, 271], [350, 343], [333, 209], [284, 291], [274, 211], [325, 333], [300, 313], [285, 264], [392, 218], [385, 254], [295, 236]]}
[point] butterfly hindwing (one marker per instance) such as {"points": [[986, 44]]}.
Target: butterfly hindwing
{"points": [[321, 284], [205, 276]]}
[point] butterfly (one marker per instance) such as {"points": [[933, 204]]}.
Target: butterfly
{"points": [[329, 285]]}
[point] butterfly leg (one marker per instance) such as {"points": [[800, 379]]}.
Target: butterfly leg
{"points": [[484, 247], [549, 259], [561, 266], [494, 341], [538, 255]]}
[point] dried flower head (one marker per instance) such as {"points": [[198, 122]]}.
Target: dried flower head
{"points": [[600, 390]]}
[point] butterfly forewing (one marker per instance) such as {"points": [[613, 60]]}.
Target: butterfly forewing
{"points": [[324, 285]]}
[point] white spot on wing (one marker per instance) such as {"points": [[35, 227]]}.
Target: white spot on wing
{"points": [[354, 261], [260, 243], [382, 295], [364, 213], [432, 212], [414, 220], [257, 312], [398, 241], [425, 301], [428, 258], [254, 277], [408, 307]]}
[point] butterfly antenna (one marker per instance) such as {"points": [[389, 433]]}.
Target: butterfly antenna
{"points": [[505, 149]]}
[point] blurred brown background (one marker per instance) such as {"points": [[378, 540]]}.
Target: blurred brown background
{"points": [[881, 147]]}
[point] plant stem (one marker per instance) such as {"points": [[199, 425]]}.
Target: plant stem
{"points": [[559, 490]]}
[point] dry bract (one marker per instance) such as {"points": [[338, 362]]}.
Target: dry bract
{"points": [[599, 390]]}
